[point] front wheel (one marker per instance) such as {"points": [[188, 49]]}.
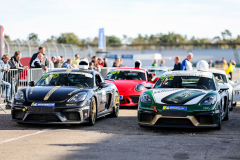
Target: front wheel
{"points": [[231, 104], [92, 112], [116, 105]]}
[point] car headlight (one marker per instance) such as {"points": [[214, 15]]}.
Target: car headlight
{"points": [[139, 87], [78, 97], [209, 100], [20, 96], [145, 98]]}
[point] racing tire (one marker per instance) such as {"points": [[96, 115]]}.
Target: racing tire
{"points": [[226, 118], [219, 122], [116, 106], [231, 106], [92, 112]]}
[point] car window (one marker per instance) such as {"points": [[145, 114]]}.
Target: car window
{"points": [[98, 80], [220, 77], [66, 79], [193, 82], [126, 75]]}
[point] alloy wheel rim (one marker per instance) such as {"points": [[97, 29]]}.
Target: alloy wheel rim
{"points": [[116, 104], [93, 111]]}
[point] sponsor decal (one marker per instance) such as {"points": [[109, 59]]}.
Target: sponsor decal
{"points": [[43, 104], [50, 75], [206, 107], [104, 98], [170, 78], [72, 104], [167, 90], [181, 97], [174, 108], [50, 92], [114, 72], [74, 91], [19, 103], [120, 97]]}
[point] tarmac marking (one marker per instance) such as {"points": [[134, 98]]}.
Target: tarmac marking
{"points": [[13, 139]]}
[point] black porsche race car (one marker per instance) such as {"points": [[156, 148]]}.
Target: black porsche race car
{"points": [[66, 96]]}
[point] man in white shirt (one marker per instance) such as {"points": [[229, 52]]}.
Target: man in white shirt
{"points": [[186, 64]]}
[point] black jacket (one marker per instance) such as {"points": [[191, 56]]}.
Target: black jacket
{"points": [[14, 64], [44, 62], [177, 66]]}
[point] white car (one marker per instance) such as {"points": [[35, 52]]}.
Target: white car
{"points": [[222, 78]]}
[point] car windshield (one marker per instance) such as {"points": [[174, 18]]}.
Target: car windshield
{"points": [[126, 75], [66, 79], [193, 82], [160, 72], [219, 62], [220, 77]]}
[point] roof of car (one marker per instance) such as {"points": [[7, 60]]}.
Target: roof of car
{"points": [[72, 70], [154, 67], [188, 73], [125, 68], [217, 71]]}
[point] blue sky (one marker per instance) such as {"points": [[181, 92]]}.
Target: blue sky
{"points": [[203, 19]]}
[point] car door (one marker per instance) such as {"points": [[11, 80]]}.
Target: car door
{"points": [[101, 93], [236, 91]]}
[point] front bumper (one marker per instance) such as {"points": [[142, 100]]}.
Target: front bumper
{"points": [[50, 115], [198, 120]]}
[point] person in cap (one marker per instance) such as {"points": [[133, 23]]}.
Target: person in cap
{"points": [[56, 64], [186, 64], [51, 62]]}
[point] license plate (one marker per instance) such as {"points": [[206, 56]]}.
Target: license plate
{"points": [[121, 97]]}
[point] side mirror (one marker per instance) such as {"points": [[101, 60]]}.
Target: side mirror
{"points": [[223, 87], [156, 79], [103, 85], [31, 83], [148, 85]]}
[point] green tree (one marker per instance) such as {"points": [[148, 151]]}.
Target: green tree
{"points": [[112, 39], [68, 38], [52, 39], [33, 37], [7, 37]]}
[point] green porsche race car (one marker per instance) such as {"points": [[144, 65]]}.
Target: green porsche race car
{"points": [[184, 99]]}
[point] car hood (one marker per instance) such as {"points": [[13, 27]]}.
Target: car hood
{"points": [[126, 85], [51, 93], [174, 96]]}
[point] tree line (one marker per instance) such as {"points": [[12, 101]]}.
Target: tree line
{"points": [[171, 37]]}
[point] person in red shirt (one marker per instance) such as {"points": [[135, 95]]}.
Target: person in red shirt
{"points": [[100, 63]]}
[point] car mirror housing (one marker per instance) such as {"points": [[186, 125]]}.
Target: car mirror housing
{"points": [[148, 85], [223, 87], [103, 85], [155, 80], [31, 83]]}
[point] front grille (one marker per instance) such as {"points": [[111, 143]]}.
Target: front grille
{"points": [[72, 115], [41, 109], [174, 121], [18, 114], [174, 113], [42, 117], [122, 101], [146, 117], [204, 119], [135, 99]]}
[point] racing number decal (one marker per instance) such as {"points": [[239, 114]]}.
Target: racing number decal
{"points": [[170, 78], [236, 92], [114, 72]]}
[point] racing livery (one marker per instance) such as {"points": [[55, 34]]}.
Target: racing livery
{"points": [[184, 99], [130, 84], [68, 96]]}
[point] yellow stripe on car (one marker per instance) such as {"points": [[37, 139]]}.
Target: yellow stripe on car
{"points": [[74, 91], [50, 92]]}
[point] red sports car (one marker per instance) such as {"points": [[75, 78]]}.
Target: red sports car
{"points": [[130, 83]]}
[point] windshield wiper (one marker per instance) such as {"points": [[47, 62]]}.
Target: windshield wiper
{"points": [[110, 79]]}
